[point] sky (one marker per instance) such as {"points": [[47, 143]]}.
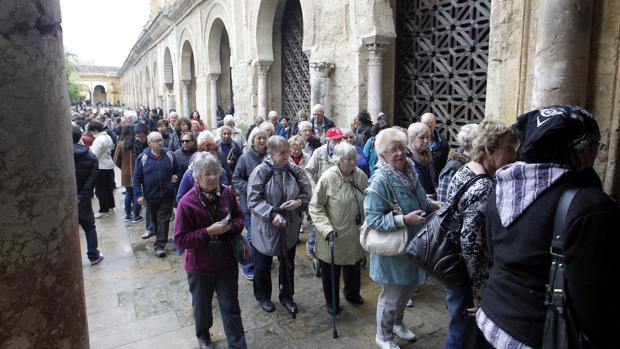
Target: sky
{"points": [[102, 32]]}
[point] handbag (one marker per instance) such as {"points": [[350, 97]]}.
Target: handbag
{"points": [[384, 243], [241, 249], [560, 331], [433, 249]]}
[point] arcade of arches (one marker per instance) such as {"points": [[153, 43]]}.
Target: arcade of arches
{"points": [[463, 60]]}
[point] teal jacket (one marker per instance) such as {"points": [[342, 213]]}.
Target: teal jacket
{"points": [[396, 270]]}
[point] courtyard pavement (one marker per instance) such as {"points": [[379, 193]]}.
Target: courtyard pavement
{"points": [[136, 300]]}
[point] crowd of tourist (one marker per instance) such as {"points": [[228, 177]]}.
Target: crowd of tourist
{"points": [[245, 198]]}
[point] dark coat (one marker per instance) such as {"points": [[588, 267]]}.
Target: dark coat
{"points": [[183, 158], [152, 177], [515, 293], [362, 134], [86, 171], [247, 162], [190, 231]]}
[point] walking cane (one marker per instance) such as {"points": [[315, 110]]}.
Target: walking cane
{"points": [[334, 307], [287, 266]]}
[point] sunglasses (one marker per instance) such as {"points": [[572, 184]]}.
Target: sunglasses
{"points": [[186, 141]]}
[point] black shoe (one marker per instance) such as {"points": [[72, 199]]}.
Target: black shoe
{"points": [[356, 299], [148, 234], [290, 306], [330, 310], [96, 260], [205, 343], [160, 253], [267, 306]]}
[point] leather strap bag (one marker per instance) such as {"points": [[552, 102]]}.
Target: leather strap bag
{"points": [[434, 251], [561, 331], [384, 243]]}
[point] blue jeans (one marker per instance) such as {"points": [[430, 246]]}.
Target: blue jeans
{"points": [[461, 325], [247, 220], [131, 203]]}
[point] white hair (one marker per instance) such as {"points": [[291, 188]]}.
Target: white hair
{"points": [[255, 132], [153, 135], [275, 142], [202, 162], [229, 120], [387, 136], [304, 125], [344, 150], [417, 129], [203, 136], [466, 135]]}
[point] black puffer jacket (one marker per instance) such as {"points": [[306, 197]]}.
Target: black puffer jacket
{"points": [[86, 171]]}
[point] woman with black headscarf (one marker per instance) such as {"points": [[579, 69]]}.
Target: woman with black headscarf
{"points": [[558, 147]]}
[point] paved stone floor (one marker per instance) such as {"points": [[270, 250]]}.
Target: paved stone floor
{"points": [[135, 300]]}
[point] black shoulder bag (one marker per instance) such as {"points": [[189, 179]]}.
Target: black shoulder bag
{"points": [[433, 250], [561, 331]]}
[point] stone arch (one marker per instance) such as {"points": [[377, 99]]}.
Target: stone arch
{"points": [[215, 26], [168, 68], [186, 42], [100, 94], [219, 58], [147, 84], [156, 93], [188, 77], [264, 14]]}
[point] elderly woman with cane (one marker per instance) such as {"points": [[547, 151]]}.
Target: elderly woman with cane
{"points": [[278, 192], [337, 210]]}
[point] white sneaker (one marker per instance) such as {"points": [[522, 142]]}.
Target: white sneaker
{"points": [[102, 214], [386, 344], [403, 333]]}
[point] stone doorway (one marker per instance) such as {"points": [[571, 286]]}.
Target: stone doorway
{"points": [[442, 51], [295, 67]]}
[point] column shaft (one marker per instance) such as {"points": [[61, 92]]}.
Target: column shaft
{"points": [[320, 81], [263, 72], [42, 289], [375, 79], [561, 68], [214, 98], [186, 98]]}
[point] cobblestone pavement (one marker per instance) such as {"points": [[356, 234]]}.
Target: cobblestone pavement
{"points": [[135, 300]]}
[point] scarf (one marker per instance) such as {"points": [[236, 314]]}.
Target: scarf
{"points": [[424, 158], [407, 177], [520, 184]]}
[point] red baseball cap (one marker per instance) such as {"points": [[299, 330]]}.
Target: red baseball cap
{"points": [[334, 133]]}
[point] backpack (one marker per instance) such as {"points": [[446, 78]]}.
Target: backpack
{"points": [[169, 153], [433, 250]]}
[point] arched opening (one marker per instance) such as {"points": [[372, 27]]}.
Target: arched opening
{"points": [[85, 94], [169, 79], [442, 50], [156, 95], [100, 95], [225, 99], [148, 87], [188, 79], [295, 75]]}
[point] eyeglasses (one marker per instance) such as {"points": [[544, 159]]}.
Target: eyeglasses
{"points": [[157, 140], [315, 114], [186, 141], [396, 150]]}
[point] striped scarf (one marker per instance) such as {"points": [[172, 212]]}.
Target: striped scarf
{"points": [[520, 184]]}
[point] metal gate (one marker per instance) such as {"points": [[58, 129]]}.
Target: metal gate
{"points": [[295, 68], [441, 61]]}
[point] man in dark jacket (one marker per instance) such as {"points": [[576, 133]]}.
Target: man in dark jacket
{"points": [[153, 119], [320, 123], [86, 170], [439, 145], [155, 179]]}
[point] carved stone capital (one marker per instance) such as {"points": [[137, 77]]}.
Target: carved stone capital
{"points": [[214, 76], [375, 53], [262, 69], [322, 69]]}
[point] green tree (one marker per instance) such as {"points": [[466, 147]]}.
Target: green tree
{"points": [[71, 68]]}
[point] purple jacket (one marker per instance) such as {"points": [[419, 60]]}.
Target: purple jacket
{"points": [[190, 230]]}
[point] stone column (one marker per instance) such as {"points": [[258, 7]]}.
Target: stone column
{"points": [[560, 66], [262, 69], [214, 98], [42, 289], [375, 44], [170, 101], [186, 98], [320, 81]]}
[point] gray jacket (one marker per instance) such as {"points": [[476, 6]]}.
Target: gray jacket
{"points": [[264, 198], [246, 163]]}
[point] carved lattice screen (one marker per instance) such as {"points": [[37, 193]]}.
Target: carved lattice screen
{"points": [[295, 69], [441, 65]]}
